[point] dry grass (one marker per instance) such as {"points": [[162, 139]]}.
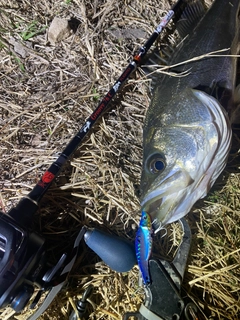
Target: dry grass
{"points": [[45, 97]]}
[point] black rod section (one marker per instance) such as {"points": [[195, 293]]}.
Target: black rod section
{"points": [[31, 201]]}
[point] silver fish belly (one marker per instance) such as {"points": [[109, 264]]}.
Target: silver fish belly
{"points": [[187, 132]]}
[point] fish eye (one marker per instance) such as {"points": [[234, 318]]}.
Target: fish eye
{"points": [[156, 163]]}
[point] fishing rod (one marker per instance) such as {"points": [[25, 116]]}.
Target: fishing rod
{"points": [[22, 254], [42, 186]]}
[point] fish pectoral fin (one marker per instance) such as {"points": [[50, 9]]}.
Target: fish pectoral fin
{"points": [[190, 17]]}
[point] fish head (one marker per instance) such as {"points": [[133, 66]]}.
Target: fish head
{"points": [[180, 155], [166, 175]]}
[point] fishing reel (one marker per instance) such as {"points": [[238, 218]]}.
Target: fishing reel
{"points": [[23, 263]]}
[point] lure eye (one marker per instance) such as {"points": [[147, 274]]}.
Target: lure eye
{"points": [[156, 163]]}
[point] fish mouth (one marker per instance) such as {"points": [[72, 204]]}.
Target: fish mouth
{"points": [[164, 203], [158, 211], [166, 209], [152, 205]]}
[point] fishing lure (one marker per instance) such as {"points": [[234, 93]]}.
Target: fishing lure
{"points": [[143, 246]]}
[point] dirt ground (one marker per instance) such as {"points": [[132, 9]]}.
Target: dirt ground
{"points": [[47, 92]]}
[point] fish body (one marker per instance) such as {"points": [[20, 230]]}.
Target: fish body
{"points": [[187, 132], [143, 246]]}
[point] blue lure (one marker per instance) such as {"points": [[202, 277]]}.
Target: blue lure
{"points": [[143, 246]]}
